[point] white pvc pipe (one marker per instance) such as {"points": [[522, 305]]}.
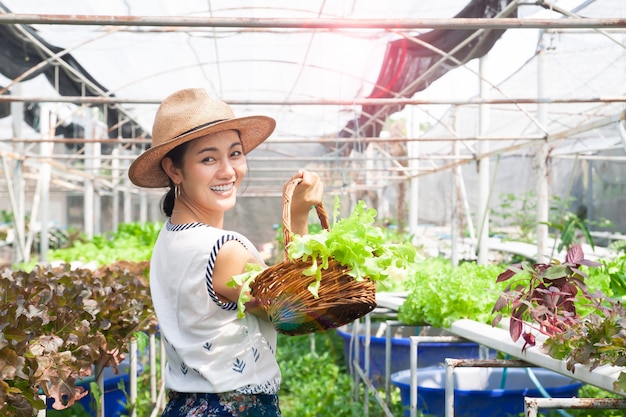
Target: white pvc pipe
{"points": [[115, 189], [413, 351], [19, 185], [133, 377], [390, 324], [454, 218], [483, 174], [96, 164], [128, 204], [45, 174], [449, 390], [541, 168], [163, 363], [143, 208], [42, 413], [500, 340], [153, 370], [413, 154], [88, 193], [356, 327], [160, 399], [367, 343], [532, 405], [18, 217], [100, 381]]}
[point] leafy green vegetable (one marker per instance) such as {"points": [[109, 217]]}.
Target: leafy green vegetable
{"points": [[316, 381], [610, 277], [244, 280], [131, 242], [440, 293], [353, 241]]}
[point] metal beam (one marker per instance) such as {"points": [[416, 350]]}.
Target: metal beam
{"points": [[327, 102], [317, 23]]}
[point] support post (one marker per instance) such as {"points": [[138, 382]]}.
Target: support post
{"points": [[19, 194], [46, 123], [541, 166], [483, 172]]}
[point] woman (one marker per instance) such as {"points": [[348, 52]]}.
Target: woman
{"points": [[217, 364]]}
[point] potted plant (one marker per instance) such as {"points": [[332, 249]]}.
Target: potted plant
{"points": [[582, 326], [60, 322]]}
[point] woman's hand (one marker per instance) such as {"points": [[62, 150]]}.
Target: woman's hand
{"points": [[307, 194]]}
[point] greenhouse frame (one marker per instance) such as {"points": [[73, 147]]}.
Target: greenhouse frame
{"points": [[455, 119]]}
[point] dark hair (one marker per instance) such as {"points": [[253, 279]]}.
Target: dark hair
{"points": [[176, 155]]}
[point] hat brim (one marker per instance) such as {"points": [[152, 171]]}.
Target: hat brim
{"points": [[146, 170]]}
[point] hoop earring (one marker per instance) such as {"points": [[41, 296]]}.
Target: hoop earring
{"points": [[176, 191]]}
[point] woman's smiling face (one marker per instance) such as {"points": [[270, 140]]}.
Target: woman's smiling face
{"points": [[213, 168]]}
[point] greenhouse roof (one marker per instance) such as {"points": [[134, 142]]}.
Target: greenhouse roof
{"points": [[330, 81]]}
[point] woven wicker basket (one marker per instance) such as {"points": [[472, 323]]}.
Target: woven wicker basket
{"points": [[282, 289]]}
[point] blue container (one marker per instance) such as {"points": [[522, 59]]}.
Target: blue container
{"points": [[114, 398], [428, 353], [481, 392]]}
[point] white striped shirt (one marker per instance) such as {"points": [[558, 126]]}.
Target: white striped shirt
{"points": [[208, 348]]}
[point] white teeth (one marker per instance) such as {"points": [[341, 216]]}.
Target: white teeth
{"points": [[222, 188]]}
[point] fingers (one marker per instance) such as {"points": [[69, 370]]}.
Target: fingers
{"points": [[311, 186], [310, 189], [307, 177], [302, 174], [316, 187]]}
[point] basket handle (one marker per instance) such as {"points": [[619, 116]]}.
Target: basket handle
{"points": [[287, 197]]}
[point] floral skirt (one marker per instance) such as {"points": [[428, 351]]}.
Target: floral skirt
{"points": [[226, 404]]}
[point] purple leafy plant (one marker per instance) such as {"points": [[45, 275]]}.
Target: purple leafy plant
{"points": [[543, 297]]}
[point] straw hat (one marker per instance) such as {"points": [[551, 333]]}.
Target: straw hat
{"points": [[186, 115]]}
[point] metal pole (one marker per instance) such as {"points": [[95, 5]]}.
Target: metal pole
{"points": [[413, 165], [163, 363], [153, 370], [356, 332], [367, 344], [127, 202], [88, 193], [456, 179], [310, 24], [132, 379], [97, 162], [322, 102], [484, 167], [414, 363], [388, 335], [541, 166], [532, 405], [99, 369], [19, 212], [115, 183], [46, 124], [18, 218], [143, 207]]}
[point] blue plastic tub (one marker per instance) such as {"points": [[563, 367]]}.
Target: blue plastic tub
{"points": [[114, 398], [428, 353], [481, 392]]}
